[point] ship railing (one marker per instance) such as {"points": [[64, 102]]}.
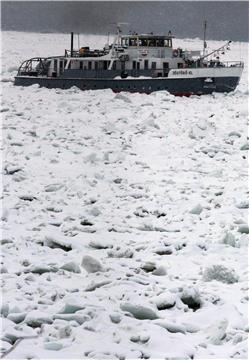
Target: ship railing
{"points": [[215, 64], [33, 67], [36, 66], [226, 64]]}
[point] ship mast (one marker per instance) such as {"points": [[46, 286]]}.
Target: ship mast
{"points": [[204, 38]]}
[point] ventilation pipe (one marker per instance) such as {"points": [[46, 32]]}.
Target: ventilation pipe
{"points": [[71, 44]]}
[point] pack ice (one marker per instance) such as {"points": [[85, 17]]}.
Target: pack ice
{"points": [[124, 222]]}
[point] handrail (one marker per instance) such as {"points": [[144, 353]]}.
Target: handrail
{"points": [[217, 50]]}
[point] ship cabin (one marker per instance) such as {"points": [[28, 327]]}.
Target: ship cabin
{"points": [[130, 55], [135, 55], [149, 52]]}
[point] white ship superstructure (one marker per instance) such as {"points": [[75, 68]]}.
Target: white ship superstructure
{"points": [[135, 63]]}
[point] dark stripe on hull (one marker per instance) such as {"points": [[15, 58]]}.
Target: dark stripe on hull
{"points": [[187, 86]]}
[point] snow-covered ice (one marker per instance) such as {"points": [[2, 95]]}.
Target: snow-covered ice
{"points": [[124, 222]]}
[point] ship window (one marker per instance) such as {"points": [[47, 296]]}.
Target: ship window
{"points": [[125, 41], [96, 64], [152, 42], [89, 65], [114, 65], [133, 41], [180, 65], [105, 65], [81, 65], [138, 65], [143, 42], [146, 64], [159, 43], [153, 65], [165, 65], [159, 74], [134, 65], [166, 43], [55, 64]]}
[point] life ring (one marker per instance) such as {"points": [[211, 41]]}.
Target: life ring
{"points": [[175, 53], [124, 74]]}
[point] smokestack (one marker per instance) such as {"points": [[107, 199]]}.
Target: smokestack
{"points": [[71, 44]]}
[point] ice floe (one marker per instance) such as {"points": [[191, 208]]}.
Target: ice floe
{"points": [[125, 218]]}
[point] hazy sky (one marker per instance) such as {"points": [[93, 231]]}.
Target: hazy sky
{"points": [[226, 19]]}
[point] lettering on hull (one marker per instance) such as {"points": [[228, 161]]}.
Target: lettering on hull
{"points": [[182, 72]]}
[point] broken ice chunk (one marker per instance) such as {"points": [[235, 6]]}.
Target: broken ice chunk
{"points": [[71, 266], [165, 301], [71, 306], [171, 327], [140, 312], [36, 318], [91, 265], [220, 273], [196, 210], [53, 345]]}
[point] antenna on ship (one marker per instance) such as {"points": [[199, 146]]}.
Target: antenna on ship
{"points": [[119, 24], [204, 38], [119, 31]]}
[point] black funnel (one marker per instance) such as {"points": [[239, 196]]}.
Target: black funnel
{"points": [[71, 44]]}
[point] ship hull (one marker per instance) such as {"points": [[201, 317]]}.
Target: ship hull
{"points": [[175, 86]]}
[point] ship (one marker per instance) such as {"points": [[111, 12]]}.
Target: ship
{"points": [[135, 62]]}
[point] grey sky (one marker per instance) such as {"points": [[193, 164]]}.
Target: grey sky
{"points": [[226, 19]]}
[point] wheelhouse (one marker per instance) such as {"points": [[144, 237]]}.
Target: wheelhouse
{"points": [[146, 41]]}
